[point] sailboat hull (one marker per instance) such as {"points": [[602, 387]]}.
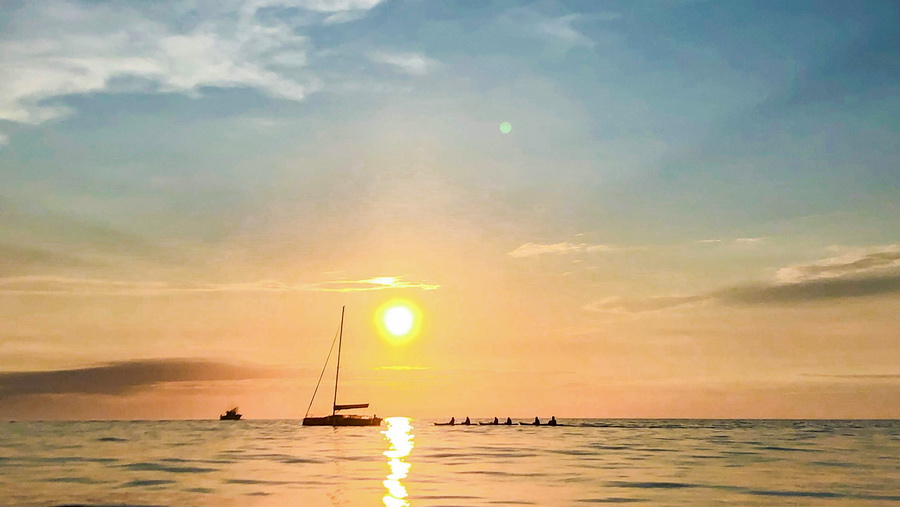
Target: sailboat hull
{"points": [[342, 420]]}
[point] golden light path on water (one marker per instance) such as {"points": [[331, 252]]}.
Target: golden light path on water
{"points": [[401, 444]]}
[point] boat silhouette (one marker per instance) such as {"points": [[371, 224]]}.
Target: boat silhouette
{"points": [[231, 415], [336, 419]]}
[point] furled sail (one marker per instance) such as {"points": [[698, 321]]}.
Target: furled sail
{"points": [[351, 406]]}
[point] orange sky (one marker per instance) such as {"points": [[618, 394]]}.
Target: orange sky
{"points": [[610, 210]]}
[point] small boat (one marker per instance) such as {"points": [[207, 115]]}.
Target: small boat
{"points": [[336, 419], [231, 415]]}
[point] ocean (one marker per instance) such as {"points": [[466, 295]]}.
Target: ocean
{"points": [[412, 462]]}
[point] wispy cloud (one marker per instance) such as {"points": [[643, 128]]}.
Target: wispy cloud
{"points": [[415, 64], [559, 31], [736, 241], [41, 240], [873, 271], [70, 286], [57, 48], [378, 283], [856, 376], [638, 305], [532, 249], [323, 5], [343, 17], [125, 377], [859, 263], [566, 247], [563, 28], [15, 258]]}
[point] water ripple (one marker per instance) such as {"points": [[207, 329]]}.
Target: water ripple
{"points": [[146, 482], [156, 467], [206, 464], [651, 485]]}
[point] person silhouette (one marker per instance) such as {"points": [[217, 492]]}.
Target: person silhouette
{"points": [[552, 421], [452, 421], [467, 421], [496, 421], [537, 422], [508, 421]]}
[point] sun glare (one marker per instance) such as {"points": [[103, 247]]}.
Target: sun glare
{"points": [[398, 320]]}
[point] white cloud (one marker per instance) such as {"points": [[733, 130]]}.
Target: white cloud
{"points": [[411, 63], [532, 249], [64, 47]]}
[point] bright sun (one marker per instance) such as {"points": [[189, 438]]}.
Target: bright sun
{"points": [[398, 320]]}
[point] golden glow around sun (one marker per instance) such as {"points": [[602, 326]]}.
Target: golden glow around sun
{"points": [[398, 320]]}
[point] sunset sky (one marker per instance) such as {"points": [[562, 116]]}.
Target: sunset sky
{"points": [[691, 209]]}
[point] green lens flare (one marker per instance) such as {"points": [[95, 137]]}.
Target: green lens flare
{"points": [[505, 127]]}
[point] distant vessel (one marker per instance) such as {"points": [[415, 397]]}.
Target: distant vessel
{"points": [[231, 415], [336, 419]]}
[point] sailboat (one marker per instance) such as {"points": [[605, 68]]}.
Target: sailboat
{"points": [[336, 419]]}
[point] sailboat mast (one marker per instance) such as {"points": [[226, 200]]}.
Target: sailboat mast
{"points": [[337, 372]]}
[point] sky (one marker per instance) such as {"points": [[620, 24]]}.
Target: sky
{"points": [[596, 208]]}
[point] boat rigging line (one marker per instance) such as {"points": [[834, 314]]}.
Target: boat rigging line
{"points": [[323, 373]]}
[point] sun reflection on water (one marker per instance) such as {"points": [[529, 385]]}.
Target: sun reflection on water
{"points": [[401, 444]]}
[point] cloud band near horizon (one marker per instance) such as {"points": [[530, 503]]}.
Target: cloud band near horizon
{"points": [[126, 377]]}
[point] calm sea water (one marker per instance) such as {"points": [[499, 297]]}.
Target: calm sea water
{"points": [[413, 462]]}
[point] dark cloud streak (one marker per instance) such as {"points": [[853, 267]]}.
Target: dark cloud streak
{"points": [[124, 377], [812, 290], [809, 291], [882, 259]]}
